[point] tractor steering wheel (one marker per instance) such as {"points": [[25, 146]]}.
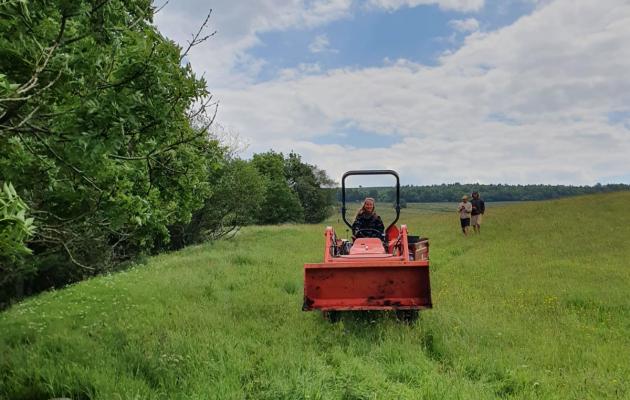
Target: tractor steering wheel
{"points": [[365, 233]]}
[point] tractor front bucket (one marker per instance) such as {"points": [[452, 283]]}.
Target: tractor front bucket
{"points": [[366, 284]]}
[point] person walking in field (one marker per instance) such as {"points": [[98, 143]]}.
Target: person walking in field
{"points": [[478, 208], [464, 209]]}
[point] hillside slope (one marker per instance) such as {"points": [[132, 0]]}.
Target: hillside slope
{"points": [[535, 307]]}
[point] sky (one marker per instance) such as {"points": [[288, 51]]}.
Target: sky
{"points": [[442, 91]]}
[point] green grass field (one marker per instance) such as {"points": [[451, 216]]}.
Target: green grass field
{"points": [[537, 307]]}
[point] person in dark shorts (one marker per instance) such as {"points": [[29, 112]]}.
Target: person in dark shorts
{"points": [[464, 209], [478, 208]]}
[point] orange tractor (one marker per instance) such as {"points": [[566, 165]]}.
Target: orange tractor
{"points": [[389, 272]]}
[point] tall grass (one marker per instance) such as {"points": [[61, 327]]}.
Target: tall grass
{"points": [[536, 306]]}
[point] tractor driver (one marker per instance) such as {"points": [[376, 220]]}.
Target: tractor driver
{"points": [[367, 223]]}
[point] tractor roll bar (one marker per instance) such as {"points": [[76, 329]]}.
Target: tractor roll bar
{"points": [[369, 172]]}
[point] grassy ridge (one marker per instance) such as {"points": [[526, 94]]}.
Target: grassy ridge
{"points": [[535, 307]]}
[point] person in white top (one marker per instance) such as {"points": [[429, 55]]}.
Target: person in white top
{"points": [[464, 209]]}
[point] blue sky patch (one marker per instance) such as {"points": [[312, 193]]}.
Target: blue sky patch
{"points": [[619, 117], [420, 34], [503, 118], [353, 137]]}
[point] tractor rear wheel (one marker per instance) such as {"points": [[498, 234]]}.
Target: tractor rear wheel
{"points": [[407, 316], [332, 316]]}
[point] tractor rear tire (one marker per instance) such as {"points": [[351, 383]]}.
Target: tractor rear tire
{"points": [[332, 316], [407, 316]]}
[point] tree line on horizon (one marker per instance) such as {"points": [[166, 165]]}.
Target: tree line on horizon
{"points": [[453, 192], [108, 149]]}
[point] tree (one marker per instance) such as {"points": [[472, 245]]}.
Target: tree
{"points": [[15, 229], [15, 226], [280, 203], [95, 111], [235, 201], [310, 184]]}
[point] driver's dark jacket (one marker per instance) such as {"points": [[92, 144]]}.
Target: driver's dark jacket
{"points": [[368, 221]]}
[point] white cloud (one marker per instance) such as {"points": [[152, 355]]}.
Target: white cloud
{"points": [[464, 25], [238, 25], [457, 5], [321, 44], [527, 103], [302, 69]]}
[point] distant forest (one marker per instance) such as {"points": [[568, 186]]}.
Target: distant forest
{"points": [[454, 191]]}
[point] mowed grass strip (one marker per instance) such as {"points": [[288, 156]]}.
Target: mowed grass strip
{"points": [[536, 306]]}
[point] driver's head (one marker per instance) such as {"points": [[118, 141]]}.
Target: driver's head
{"points": [[368, 205]]}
